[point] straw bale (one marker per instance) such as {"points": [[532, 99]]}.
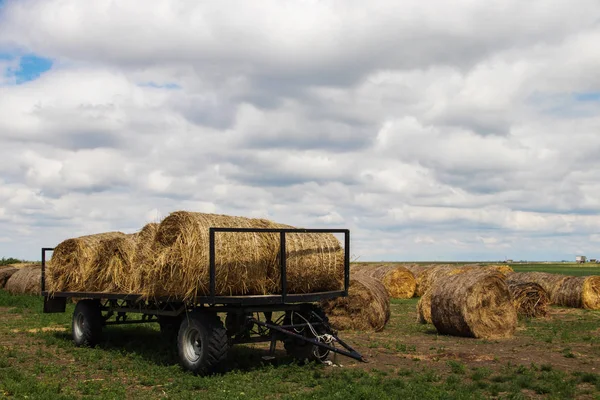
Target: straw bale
{"points": [[503, 269], [5, 273], [26, 280], [529, 298], [112, 266], [399, 282], [246, 263], [367, 306], [424, 308], [142, 258], [71, 264], [550, 282], [579, 292], [475, 303]]}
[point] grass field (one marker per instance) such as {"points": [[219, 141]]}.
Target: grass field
{"points": [[554, 358]]}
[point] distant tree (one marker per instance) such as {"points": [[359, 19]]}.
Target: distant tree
{"points": [[10, 260]]}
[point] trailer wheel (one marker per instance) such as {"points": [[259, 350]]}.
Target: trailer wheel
{"points": [[299, 349], [87, 323], [201, 342]]}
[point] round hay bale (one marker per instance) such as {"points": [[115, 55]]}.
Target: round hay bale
{"points": [[367, 306], [71, 262], [112, 265], [529, 298], [428, 278], [424, 308], [475, 303], [550, 282], [399, 282], [503, 269], [315, 261], [143, 256], [423, 278], [5, 273], [26, 280], [246, 263], [579, 292]]}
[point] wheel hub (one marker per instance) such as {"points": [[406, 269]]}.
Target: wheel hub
{"points": [[192, 345]]}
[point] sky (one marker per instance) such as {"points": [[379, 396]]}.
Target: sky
{"points": [[432, 130]]}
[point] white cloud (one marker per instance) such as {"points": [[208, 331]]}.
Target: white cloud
{"points": [[431, 130]]}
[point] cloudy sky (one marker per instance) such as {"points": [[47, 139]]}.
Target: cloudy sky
{"points": [[434, 131]]}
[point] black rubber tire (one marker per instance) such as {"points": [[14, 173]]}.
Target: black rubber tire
{"points": [[202, 342], [87, 323], [303, 351], [169, 328]]}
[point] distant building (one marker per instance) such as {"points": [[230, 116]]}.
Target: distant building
{"points": [[593, 260], [580, 259]]}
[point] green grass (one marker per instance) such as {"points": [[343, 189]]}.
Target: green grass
{"points": [[566, 269], [134, 362]]}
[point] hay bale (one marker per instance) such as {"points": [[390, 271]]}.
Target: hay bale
{"points": [[399, 282], [315, 261], [424, 308], [475, 303], [26, 280], [143, 256], [112, 266], [503, 269], [5, 273], [246, 263], [367, 306], [550, 282], [529, 298], [72, 263], [579, 292]]}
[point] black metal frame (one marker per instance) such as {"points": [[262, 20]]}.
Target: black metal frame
{"points": [[213, 298]]}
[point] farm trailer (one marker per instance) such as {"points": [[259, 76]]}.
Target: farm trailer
{"points": [[202, 338]]}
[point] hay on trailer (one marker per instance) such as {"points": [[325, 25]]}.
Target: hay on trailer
{"points": [[398, 281], [529, 298], [579, 292], [71, 262], [5, 273], [143, 256], [112, 266], [550, 282], [367, 306], [315, 261], [246, 263], [424, 308], [27, 280], [475, 303]]}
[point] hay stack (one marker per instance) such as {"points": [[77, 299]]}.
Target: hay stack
{"points": [[25, 280], [72, 262], [5, 273], [246, 263], [529, 298], [579, 292], [367, 306], [550, 282], [399, 282], [424, 308], [475, 303]]}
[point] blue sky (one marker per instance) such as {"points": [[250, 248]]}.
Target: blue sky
{"points": [[30, 66]]}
